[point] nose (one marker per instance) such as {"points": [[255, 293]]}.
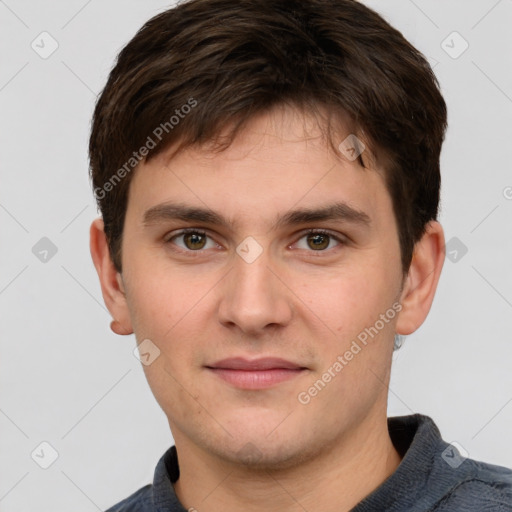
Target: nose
{"points": [[255, 298]]}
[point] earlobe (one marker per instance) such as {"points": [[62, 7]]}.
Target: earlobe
{"points": [[422, 279], [117, 328], [112, 286]]}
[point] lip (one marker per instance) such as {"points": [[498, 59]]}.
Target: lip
{"points": [[263, 363], [256, 373]]}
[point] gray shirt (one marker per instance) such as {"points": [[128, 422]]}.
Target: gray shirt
{"points": [[433, 476]]}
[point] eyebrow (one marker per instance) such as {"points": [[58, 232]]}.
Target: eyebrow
{"points": [[176, 211]]}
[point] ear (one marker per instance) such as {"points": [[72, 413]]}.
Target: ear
{"points": [[111, 280], [421, 281]]}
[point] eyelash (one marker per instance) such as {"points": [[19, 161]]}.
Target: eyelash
{"points": [[340, 240]]}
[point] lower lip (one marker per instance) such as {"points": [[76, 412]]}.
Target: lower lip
{"points": [[256, 379]]}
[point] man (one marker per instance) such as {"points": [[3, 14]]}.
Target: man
{"points": [[268, 178]]}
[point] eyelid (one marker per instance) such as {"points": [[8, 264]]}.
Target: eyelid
{"points": [[322, 231], [173, 234]]}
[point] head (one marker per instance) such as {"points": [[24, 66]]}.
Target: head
{"points": [[299, 143]]}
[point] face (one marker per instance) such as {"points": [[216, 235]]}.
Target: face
{"points": [[267, 276]]}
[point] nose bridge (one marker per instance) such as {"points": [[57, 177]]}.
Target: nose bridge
{"points": [[252, 297]]}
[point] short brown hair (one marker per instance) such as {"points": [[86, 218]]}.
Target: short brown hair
{"points": [[228, 60]]}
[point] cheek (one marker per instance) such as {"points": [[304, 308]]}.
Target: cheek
{"points": [[347, 301], [358, 348], [173, 312], [350, 307], [159, 298], [166, 312]]}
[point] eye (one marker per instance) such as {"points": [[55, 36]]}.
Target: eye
{"points": [[192, 240], [318, 240]]}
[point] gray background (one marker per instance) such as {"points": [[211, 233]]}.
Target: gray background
{"points": [[67, 380]]}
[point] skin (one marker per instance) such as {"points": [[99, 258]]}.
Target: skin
{"points": [[262, 449]]}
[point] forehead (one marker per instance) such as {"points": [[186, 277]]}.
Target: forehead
{"points": [[319, 129], [280, 159]]}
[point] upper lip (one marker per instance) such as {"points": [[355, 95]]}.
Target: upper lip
{"points": [[265, 363]]}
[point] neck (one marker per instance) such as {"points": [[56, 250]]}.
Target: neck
{"points": [[336, 480]]}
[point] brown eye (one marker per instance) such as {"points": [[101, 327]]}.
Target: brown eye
{"points": [[318, 241], [194, 241], [191, 240]]}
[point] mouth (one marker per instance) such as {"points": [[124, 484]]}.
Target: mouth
{"points": [[257, 373]]}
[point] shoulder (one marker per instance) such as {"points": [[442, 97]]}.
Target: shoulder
{"points": [[436, 476], [478, 487], [159, 495]]}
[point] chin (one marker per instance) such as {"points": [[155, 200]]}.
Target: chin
{"points": [[264, 455]]}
